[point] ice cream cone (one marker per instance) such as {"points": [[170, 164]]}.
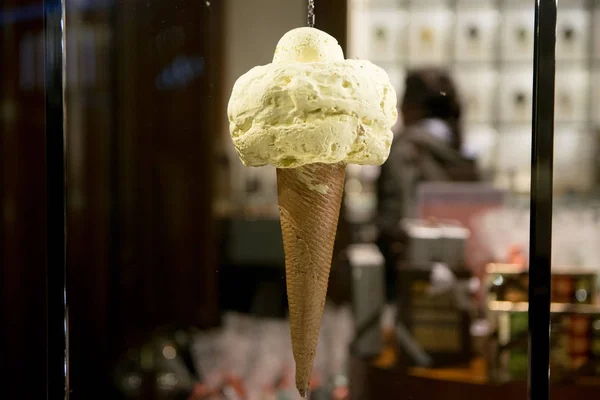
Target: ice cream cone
{"points": [[309, 205]]}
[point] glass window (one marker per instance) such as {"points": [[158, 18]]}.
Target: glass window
{"points": [[320, 224]]}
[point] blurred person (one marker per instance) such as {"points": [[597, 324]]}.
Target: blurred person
{"points": [[427, 147]]}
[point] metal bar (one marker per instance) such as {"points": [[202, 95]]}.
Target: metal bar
{"points": [[55, 201], [540, 241]]}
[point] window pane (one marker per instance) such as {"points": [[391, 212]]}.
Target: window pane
{"points": [[183, 263]]}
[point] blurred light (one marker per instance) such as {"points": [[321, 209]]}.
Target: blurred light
{"points": [[498, 281], [597, 325], [474, 284], [180, 72], [169, 352], [354, 186], [133, 382], [370, 172], [340, 380], [581, 294], [167, 381], [341, 392]]}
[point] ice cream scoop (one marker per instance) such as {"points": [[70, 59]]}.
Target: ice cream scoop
{"points": [[311, 106], [309, 113]]}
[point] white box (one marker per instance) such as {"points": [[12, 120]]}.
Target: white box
{"points": [[476, 34], [427, 4], [517, 34], [571, 95], [477, 89], [378, 3], [516, 95], [364, 20], [386, 33], [514, 149], [574, 157], [429, 36], [480, 142], [572, 34], [513, 159]]}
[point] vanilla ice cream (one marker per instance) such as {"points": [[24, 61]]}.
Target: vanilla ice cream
{"points": [[312, 106]]}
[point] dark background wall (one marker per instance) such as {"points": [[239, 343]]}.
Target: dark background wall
{"points": [[143, 99]]}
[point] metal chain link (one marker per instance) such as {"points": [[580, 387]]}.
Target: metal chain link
{"points": [[311, 13]]}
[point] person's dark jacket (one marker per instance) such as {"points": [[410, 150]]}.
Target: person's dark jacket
{"points": [[417, 155]]}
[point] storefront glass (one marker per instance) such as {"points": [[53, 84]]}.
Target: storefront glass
{"points": [[116, 162]]}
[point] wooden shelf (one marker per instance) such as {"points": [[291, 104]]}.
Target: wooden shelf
{"points": [[368, 381]]}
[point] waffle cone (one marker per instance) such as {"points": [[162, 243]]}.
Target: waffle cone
{"points": [[309, 205]]}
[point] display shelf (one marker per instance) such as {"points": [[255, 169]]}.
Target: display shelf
{"points": [[488, 47], [370, 380]]}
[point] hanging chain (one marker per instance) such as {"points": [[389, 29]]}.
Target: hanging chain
{"points": [[311, 13]]}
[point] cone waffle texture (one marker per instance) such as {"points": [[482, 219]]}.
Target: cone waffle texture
{"points": [[309, 205]]}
